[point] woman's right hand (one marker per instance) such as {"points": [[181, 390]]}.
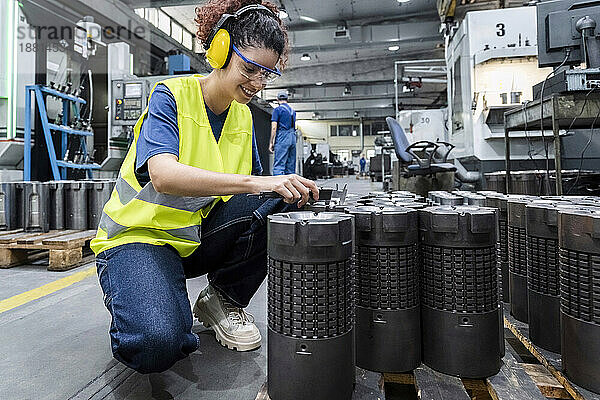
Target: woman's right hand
{"points": [[292, 188]]}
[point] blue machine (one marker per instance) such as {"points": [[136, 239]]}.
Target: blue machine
{"points": [[178, 63]]}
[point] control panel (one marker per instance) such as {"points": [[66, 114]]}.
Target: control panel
{"points": [[130, 98]]}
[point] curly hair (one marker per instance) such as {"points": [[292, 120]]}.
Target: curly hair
{"points": [[253, 29]]}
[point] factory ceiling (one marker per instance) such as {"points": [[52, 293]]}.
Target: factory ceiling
{"points": [[353, 74]]}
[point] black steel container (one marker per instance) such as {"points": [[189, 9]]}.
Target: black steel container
{"points": [[517, 256], [98, 194], [579, 241], [388, 318], [460, 310], [76, 205], [310, 306], [543, 288]]}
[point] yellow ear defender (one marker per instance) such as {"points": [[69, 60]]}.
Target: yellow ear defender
{"points": [[219, 51]]}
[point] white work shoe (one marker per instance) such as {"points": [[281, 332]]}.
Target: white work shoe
{"points": [[233, 327]]}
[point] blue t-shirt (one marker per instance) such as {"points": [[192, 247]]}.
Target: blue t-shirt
{"points": [[160, 133], [285, 117]]}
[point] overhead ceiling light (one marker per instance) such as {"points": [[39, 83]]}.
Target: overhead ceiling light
{"points": [[305, 57], [283, 13], [394, 48], [308, 19], [320, 83], [402, 1], [347, 90]]}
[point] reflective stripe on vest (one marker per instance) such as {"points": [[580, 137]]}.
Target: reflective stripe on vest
{"points": [[141, 214]]}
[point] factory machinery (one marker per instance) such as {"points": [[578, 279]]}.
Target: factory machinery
{"points": [[389, 280]]}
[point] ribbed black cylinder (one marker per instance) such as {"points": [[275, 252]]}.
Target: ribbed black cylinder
{"points": [[517, 256], [388, 318], [310, 306], [579, 241], [459, 291], [543, 288], [500, 202]]}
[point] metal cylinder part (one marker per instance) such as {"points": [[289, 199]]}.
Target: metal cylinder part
{"points": [[517, 256], [9, 211], [310, 306], [56, 191], [388, 318], [460, 310], [76, 205], [543, 288], [98, 194], [579, 241], [34, 206]]}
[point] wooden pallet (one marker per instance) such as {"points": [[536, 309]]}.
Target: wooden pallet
{"points": [[63, 247], [514, 381], [551, 361]]}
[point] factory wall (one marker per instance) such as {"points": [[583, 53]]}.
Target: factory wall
{"points": [[319, 132]]}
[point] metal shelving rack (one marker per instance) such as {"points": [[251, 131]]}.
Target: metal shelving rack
{"points": [[58, 165]]}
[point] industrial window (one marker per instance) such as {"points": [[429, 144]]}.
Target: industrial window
{"points": [[333, 130], [345, 130], [177, 32], [151, 15], [188, 40], [140, 12], [164, 22]]}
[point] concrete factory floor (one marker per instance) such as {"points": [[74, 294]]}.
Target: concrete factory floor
{"points": [[54, 344]]}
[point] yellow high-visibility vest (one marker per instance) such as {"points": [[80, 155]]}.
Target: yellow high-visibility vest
{"points": [[136, 214]]}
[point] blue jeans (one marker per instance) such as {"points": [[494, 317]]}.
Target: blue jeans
{"points": [[284, 157], [145, 291]]}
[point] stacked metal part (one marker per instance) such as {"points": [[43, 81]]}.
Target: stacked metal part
{"points": [[388, 318], [310, 306], [99, 192], [499, 201], [440, 197], [460, 310], [9, 216], [543, 288], [76, 207], [34, 200], [56, 190], [517, 256], [579, 241], [40, 207], [24, 205]]}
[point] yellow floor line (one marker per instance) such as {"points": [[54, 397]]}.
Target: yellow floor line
{"points": [[34, 294]]}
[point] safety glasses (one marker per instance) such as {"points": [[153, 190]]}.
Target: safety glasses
{"points": [[253, 70]]}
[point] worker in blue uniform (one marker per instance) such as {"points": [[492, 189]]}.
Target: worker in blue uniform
{"points": [[283, 137]]}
